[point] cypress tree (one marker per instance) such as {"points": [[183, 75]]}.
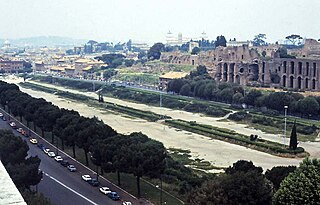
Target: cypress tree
{"points": [[293, 137]]}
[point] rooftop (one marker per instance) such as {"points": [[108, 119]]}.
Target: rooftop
{"points": [[9, 193], [174, 75]]}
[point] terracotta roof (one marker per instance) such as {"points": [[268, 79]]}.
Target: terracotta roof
{"points": [[57, 68], [83, 60], [87, 68]]}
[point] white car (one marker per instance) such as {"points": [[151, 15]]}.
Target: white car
{"points": [[12, 124], [105, 190], [46, 150], [51, 154], [86, 177], [72, 168], [58, 158], [126, 203], [1, 115]]}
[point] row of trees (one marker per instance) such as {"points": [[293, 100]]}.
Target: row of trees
{"points": [[199, 84], [23, 170], [244, 183], [134, 154]]}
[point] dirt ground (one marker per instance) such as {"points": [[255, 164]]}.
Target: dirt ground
{"points": [[219, 153]]}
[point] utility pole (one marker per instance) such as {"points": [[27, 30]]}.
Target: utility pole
{"points": [[285, 125]]}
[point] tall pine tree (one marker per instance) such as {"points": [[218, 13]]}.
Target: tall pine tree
{"points": [[293, 137]]}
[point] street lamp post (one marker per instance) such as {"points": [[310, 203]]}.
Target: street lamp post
{"points": [[285, 125]]}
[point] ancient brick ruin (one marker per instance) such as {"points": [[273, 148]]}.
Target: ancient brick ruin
{"points": [[245, 65]]}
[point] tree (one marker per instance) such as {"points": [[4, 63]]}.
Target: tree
{"points": [[146, 157], [227, 94], [176, 85], [293, 137], [301, 186], [201, 71], [283, 53], [293, 38], [259, 40], [128, 62], [308, 106], [195, 51], [233, 189], [243, 166], [155, 51], [237, 98], [221, 41], [109, 73], [252, 96], [185, 90], [277, 174]]}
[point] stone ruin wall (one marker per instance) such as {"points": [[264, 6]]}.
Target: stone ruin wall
{"points": [[244, 65]]}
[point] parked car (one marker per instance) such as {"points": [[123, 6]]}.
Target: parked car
{"points": [[1, 115], [24, 133], [72, 168], [86, 177], [64, 163], [126, 203], [105, 190], [114, 196], [19, 130], [40, 146], [13, 125], [93, 182], [58, 158], [33, 141], [51, 154], [46, 150], [4, 118]]}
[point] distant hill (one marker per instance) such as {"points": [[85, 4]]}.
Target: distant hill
{"points": [[45, 41]]}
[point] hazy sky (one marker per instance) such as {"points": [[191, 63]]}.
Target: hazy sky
{"points": [[150, 20]]}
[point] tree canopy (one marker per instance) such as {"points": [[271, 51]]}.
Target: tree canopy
{"points": [[259, 40], [301, 186]]}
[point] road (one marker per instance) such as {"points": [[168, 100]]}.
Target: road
{"points": [[62, 186]]}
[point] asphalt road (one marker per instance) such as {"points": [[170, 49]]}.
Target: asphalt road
{"points": [[63, 187]]}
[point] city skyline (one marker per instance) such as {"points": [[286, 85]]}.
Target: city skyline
{"points": [[147, 21]]}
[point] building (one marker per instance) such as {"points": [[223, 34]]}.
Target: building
{"points": [[11, 66], [9, 194], [164, 79], [244, 65]]}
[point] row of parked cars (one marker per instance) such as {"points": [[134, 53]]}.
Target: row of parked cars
{"points": [[103, 189], [57, 158], [94, 182]]}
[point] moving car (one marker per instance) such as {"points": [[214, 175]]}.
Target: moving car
{"points": [[72, 168], [86, 177], [58, 158], [51, 154], [105, 190], [126, 203], [1, 115], [4, 118], [33, 141], [94, 182], [114, 196]]}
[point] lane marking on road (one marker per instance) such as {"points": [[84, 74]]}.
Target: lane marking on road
{"points": [[65, 186]]}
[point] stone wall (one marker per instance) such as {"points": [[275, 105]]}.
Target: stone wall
{"points": [[244, 65]]}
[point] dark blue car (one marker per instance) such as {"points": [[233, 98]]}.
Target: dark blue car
{"points": [[114, 196]]}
